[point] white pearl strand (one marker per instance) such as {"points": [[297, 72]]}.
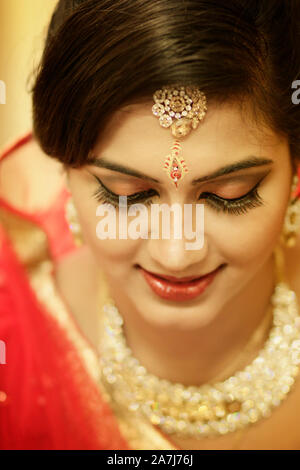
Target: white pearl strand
{"points": [[260, 387]]}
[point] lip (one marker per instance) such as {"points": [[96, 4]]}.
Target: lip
{"points": [[176, 279], [179, 289]]}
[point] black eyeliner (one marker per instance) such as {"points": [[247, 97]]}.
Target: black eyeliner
{"points": [[114, 198], [234, 206]]}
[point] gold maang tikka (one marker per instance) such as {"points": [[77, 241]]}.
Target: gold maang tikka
{"points": [[181, 108]]}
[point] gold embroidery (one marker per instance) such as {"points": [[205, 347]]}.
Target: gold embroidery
{"points": [[29, 241]]}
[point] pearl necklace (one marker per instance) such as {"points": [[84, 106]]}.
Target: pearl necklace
{"points": [[208, 410]]}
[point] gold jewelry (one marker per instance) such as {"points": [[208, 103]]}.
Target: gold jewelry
{"points": [[72, 219], [208, 410], [182, 109], [292, 217]]}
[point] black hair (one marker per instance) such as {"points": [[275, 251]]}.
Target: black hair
{"points": [[101, 54]]}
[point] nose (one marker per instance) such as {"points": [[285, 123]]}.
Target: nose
{"points": [[172, 257]]}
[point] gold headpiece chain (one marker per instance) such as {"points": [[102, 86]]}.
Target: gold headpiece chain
{"points": [[182, 109]]}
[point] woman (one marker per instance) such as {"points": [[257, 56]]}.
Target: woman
{"points": [[200, 349]]}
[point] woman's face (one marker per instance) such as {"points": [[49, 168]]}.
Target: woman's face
{"points": [[239, 237]]}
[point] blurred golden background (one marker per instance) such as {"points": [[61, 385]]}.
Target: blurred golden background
{"points": [[23, 27]]}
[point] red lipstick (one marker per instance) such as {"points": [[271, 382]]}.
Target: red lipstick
{"points": [[179, 289]]}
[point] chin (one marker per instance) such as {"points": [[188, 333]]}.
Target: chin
{"points": [[184, 316]]}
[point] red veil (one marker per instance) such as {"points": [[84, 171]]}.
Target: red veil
{"points": [[48, 400]]}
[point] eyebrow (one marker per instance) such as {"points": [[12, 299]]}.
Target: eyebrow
{"points": [[250, 162], [103, 163]]}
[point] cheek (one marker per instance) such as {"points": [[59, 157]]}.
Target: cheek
{"points": [[115, 256], [249, 239]]}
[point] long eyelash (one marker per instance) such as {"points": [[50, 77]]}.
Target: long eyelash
{"points": [[104, 195], [235, 206], [232, 206]]}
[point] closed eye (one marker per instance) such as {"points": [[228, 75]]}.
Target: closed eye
{"points": [[105, 195], [237, 205]]}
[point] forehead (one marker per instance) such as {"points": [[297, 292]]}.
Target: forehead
{"points": [[226, 134]]}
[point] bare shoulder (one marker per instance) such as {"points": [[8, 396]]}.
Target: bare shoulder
{"points": [[29, 179]]}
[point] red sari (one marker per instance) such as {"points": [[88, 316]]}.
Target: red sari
{"points": [[48, 399]]}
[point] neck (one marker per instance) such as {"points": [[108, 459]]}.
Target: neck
{"points": [[210, 352]]}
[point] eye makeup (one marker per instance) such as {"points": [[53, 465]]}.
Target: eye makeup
{"points": [[106, 196], [236, 206]]}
